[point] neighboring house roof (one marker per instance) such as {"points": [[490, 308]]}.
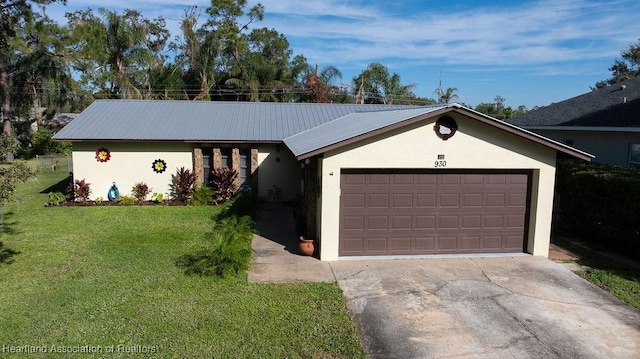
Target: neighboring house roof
{"points": [[62, 119], [307, 129], [617, 105], [358, 126], [201, 121]]}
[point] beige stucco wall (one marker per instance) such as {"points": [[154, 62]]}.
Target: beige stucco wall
{"points": [[278, 167], [608, 147], [129, 163], [474, 146]]}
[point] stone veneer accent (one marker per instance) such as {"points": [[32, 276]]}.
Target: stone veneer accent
{"points": [[217, 158], [198, 169], [235, 164]]}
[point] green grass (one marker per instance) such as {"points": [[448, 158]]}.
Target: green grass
{"points": [[613, 276], [106, 276]]}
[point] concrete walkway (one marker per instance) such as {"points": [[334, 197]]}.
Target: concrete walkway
{"points": [[276, 258]]}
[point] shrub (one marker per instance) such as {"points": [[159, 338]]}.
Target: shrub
{"points": [[223, 182], [157, 197], [80, 190], [140, 191], [202, 196], [42, 143], [125, 201], [243, 204], [18, 171], [229, 250], [55, 199], [181, 186], [600, 203]]}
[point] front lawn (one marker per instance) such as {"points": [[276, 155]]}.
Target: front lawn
{"points": [[97, 279]]}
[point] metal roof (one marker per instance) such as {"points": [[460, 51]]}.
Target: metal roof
{"points": [[350, 126], [147, 120], [306, 128]]}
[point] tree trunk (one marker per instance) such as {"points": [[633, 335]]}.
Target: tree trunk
{"points": [[7, 128]]}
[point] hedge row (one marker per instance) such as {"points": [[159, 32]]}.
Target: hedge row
{"points": [[601, 203]]}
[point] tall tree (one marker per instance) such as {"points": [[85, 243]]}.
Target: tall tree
{"points": [[42, 80], [13, 14], [115, 52], [229, 21], [376, 85], [499, 110], [196, 54], [446, 96], [626, 68]]}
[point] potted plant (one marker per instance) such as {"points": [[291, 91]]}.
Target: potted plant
{"points": [[307, 247]]}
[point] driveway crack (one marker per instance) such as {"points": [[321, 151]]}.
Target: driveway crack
{"points": [[596, 306], [520, 322]]}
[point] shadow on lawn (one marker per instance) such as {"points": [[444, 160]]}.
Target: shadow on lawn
{"points": [[6, 254], [591, 256], [61, 186], [7, 227]]}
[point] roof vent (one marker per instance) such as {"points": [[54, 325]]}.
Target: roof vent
{"points": [[622, 87]]}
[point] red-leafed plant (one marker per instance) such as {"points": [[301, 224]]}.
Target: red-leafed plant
{"points": [[223, 181], [80, 190], [140, 191], [181, 186]]}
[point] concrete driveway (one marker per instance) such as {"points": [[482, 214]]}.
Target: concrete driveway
{"points": [[519, 307]]}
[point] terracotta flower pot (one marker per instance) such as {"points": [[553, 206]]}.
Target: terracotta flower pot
{"points": [[307, 247]]}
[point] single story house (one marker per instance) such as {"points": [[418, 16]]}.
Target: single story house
{"points": [[604, 122], [374, 180]]}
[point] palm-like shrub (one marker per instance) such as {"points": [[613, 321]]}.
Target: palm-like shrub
{"points": [[181, 186], [228, 252], [223, 181]]}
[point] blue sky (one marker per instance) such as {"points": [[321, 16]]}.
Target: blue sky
{"points": [[529, 52]]}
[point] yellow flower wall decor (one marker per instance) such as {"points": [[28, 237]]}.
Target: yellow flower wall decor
{"points": [[159, 166], [103, 155]]}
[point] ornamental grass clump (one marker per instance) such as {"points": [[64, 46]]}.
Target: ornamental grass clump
{"points": [[228, 252]]}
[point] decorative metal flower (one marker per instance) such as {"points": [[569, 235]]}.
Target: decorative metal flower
{"points": [[159, 166], [103, 155]]}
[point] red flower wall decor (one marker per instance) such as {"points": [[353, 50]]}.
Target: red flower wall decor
{"points": [[103, 155]]}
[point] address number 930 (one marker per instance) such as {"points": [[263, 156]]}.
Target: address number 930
{"points": [[440, 164]]}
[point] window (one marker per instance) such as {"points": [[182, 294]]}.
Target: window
{"points": [[634, 155], [225, 157], [244, 170], [206, 167]]}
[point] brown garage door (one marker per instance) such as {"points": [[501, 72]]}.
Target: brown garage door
{"points": [[393, 213]]}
